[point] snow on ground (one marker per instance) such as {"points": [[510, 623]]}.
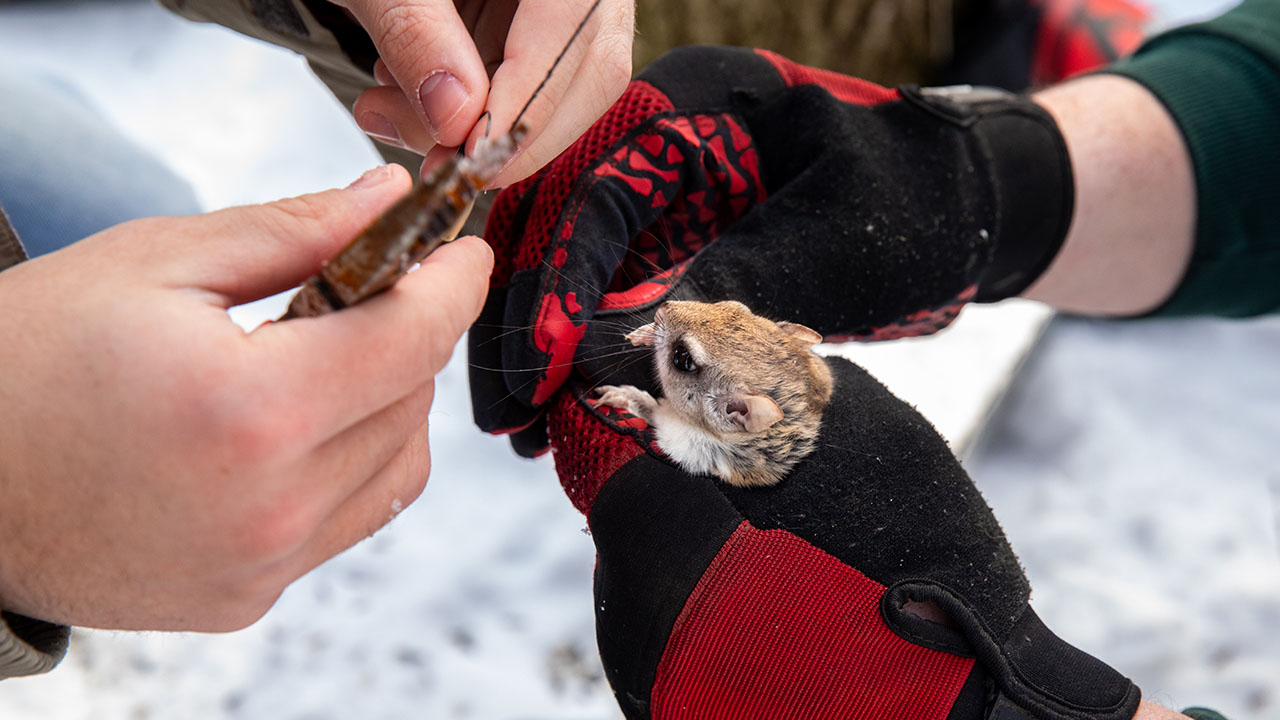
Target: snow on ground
{"points": [[1136, 469], [1134, 465]]}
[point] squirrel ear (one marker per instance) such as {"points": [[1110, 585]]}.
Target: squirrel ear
{"points": [[800, 332], [642, 335], [752, 413]]}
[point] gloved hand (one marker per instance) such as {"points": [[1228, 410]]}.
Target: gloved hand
{"points": [[812, 598], [731, 174]]}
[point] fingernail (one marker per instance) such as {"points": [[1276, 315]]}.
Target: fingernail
{"points": [[377, 125], [510, 161], [434, 158], [383, 74], [442, 96], [371, 178]]}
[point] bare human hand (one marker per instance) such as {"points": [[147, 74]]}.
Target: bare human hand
{"points": [[160, 468], [444, 63]]}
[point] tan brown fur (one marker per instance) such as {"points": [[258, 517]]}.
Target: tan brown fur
{"points": [[754, 404]]}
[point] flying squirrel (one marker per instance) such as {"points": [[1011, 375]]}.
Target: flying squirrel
{"points": [[742, 395]]}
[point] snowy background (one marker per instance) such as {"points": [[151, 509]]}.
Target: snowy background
{"points": [[1135, 466]]}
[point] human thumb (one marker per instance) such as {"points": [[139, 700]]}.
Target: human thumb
{"points": [[249, 252]]}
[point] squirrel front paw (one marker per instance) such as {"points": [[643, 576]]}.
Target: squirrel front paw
{"points": [[627, 398]]}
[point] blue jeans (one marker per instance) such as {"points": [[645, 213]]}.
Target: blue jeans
{"points": [[65, 173]]}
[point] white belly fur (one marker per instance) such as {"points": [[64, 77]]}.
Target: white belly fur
{"points": [[692, 447]]}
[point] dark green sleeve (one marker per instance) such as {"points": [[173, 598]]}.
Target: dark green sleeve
{"points": [[1220, 80]]}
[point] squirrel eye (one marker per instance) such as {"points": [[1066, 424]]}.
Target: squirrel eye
{"points": [[683, 361]]}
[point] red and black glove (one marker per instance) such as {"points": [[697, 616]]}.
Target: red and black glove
{"points": [[809, 599], [730, 174]]}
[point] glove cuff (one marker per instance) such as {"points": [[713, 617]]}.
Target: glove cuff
{"points": [[1032, 170], [1031, 176], [1041, 676]]}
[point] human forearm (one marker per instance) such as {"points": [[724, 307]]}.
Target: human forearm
{"points": [[1133, 227], [1202, 105]]}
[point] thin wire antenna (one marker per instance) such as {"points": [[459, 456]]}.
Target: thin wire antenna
{"points": [[577, 31]]}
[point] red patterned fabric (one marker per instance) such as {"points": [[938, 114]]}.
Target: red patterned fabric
{"points": [[640, 101], [849, 89], [555, 334], [698, 206], [645, 292], [658, 166], [916, 324], [776, 628], [587, 451]]}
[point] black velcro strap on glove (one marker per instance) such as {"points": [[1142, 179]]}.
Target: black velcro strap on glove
{"points": [[1032, 174]]}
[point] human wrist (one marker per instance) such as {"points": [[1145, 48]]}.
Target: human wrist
{"points": [[1151, 711], [1132, 229]]}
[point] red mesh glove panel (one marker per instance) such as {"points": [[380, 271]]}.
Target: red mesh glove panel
{"points": [[778, 629]]}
